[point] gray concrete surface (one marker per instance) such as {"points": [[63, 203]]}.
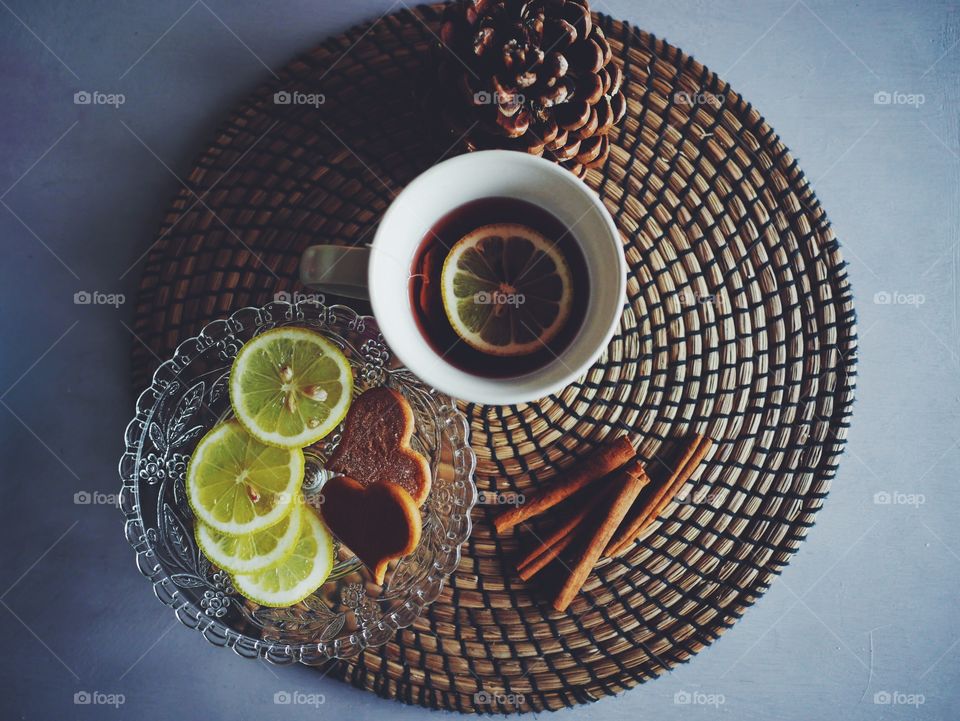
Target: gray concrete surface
{"points": [[862, 623]]}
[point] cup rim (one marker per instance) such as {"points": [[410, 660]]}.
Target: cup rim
{"points": [[499, 391]]}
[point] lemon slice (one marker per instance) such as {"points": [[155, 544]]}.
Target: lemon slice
{"points": [[290, 387], [237, 485], [253, 551], [299, 574], [506, 289]]}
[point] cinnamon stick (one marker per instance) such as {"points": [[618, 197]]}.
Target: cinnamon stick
{"points": [[540, 562], [643, 515], [558, 540], [606, 458], [628, 485]]}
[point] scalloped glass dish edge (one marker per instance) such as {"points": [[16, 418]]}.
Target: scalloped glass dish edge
{"points": [[218, 334]]}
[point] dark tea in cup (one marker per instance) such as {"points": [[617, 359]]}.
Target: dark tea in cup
{"points": [[499, 287]]}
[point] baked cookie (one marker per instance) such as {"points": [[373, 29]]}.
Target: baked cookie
{"points": [[375, 447], [379, 522]]}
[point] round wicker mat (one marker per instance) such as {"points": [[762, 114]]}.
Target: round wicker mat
{"points": [[740, 324]]}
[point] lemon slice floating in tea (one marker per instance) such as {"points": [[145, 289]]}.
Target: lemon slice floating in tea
{"points": [[252, 551], [237, 485], [507, 290], [299, 574], [290, 387]]}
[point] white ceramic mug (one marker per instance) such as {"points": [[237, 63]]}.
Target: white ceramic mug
{"points": [[382, 271]]}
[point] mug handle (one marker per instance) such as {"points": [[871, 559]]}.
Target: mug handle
{"points": [[337, 269]]}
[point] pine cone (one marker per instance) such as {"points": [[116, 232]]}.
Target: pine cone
{"points": [[532, 75]]}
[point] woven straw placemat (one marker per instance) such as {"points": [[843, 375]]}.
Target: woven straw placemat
{"points": [[739, 324]]}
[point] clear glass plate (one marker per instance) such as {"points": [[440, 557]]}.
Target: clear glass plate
{"points": [[187, 397]]}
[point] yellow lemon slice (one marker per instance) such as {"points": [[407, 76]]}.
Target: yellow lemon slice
{"points": [[299, 574], [290, 387], [253, 551], [237, 485], [506, 289]]}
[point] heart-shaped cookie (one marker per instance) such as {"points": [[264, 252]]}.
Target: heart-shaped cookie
{"points": [[379, 522], [375, 446]]}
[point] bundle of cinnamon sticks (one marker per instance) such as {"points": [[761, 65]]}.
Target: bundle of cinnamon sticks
{"points": [[612, 501]]}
